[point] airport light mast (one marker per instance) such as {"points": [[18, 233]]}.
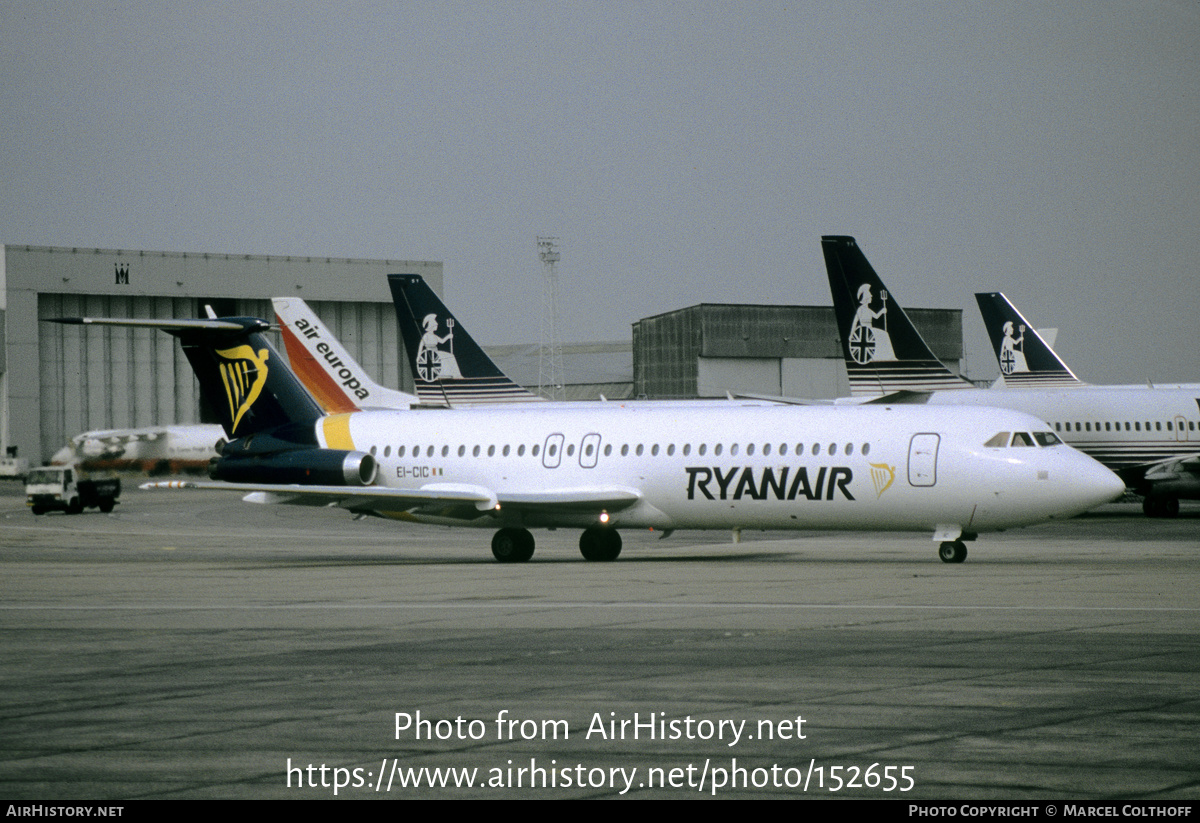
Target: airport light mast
{"points": [[550, 360]]}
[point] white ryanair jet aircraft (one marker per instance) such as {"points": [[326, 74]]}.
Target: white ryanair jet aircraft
{"points": [[1150, 436], [540, 465]]}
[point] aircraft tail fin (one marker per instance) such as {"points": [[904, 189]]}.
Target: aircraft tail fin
{"points": [[882, 349], [449, 368], [1026, 360], [242, 378], [327, 370]]}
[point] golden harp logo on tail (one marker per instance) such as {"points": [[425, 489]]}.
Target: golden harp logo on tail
{"points": [[882, 476], [244, 375]]}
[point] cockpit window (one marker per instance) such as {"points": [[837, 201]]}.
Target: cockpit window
{"points": [[1022, 439], [999, 441], [1047, 439]]}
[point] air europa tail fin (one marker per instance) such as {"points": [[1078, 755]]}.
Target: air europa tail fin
{"points": [[449, 368], [883, 350], [1026, 360], [324, 366], [242, 378]]}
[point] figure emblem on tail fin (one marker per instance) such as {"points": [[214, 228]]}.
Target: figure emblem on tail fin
{"points": [[244, 375], [869, 343], [1012, 351], [434, 362]]}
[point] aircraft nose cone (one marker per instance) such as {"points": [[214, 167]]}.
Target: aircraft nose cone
{"points": [[1095, 484]]}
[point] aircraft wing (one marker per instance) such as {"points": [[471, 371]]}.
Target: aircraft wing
{"points": [[1179, 475], [904, 396], [455, 500], [778, 399]]}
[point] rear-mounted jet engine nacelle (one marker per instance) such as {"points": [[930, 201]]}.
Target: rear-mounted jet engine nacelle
{"points": [[305, 467]]}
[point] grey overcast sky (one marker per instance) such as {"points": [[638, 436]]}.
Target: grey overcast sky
{"points": [[683, 152]]}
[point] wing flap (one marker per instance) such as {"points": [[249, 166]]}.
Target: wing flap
{"points": [[440, 499]]}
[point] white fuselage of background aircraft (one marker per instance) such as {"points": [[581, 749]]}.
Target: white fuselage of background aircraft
{"points": [[149, 450], [1123, 429]]}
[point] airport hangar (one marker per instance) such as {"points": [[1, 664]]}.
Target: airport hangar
{"points": [[57, 381]]}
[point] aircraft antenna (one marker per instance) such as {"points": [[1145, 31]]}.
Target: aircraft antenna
{"points": [[550, 359]]}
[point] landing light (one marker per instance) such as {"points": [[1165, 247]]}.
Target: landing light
{"points": [[603, 517]]}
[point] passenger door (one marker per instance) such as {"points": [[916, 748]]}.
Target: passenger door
{"points": [[922, 459]]}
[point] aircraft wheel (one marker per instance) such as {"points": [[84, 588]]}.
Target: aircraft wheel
{"points": [[600, 544], [952, 551], [512, 545], [1161, 506]]}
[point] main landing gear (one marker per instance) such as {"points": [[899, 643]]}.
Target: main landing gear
{"points": [[1160, 506], [953, 551], [600, 544], [512, 545]]}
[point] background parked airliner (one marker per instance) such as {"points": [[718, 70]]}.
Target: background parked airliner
{"points": [[952, 472], [152, 450], [340, 384], [1149, 435], [1025, 357]]}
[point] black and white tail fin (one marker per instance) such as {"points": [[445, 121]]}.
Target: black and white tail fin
{"points": [[884, 353], [1026, 360], [242, 378], [449, 368]]}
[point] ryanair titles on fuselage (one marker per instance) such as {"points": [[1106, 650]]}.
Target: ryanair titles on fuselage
{"points": [[766, 483], [348, 378]]}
